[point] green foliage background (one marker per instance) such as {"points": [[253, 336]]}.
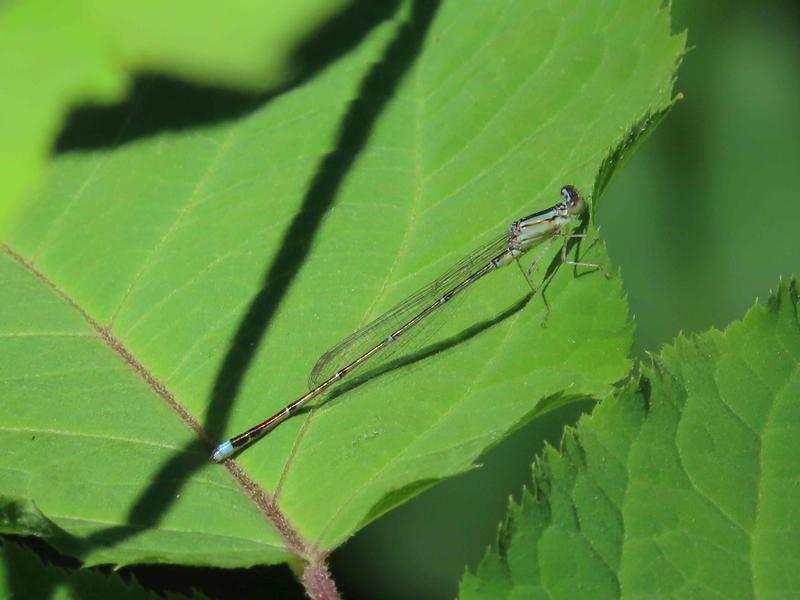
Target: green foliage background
{"points": [[701, 220], [684, 483]]}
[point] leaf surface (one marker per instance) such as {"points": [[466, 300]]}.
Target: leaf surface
{"points": [[56, 55], [171, 289], [684, 484]]}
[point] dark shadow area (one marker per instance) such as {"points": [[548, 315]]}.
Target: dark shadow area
{"points": [[244, 584], [157, 103], [377, 89], [154, 104], [254, 583]]}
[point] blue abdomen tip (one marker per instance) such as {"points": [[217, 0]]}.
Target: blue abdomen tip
{"points": [[221, 452]]}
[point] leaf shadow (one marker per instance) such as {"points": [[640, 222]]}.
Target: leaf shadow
{"points": [[376, 91], [424, 353], [158, 103], [380, 84]]}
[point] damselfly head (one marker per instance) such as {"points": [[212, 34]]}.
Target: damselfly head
{"points": [[572, 200]]}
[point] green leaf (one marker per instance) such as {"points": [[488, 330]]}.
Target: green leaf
{"points": [[26, 576], [683, 484], [56, 54], [171, 289]]}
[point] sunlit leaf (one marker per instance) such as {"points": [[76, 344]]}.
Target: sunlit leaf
{"points": [[57, 55], [178, 280]]}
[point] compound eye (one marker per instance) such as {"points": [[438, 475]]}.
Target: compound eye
{"points": [[566, 195]]}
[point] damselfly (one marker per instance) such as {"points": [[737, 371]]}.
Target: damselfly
{"points": [[555, 222]]}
